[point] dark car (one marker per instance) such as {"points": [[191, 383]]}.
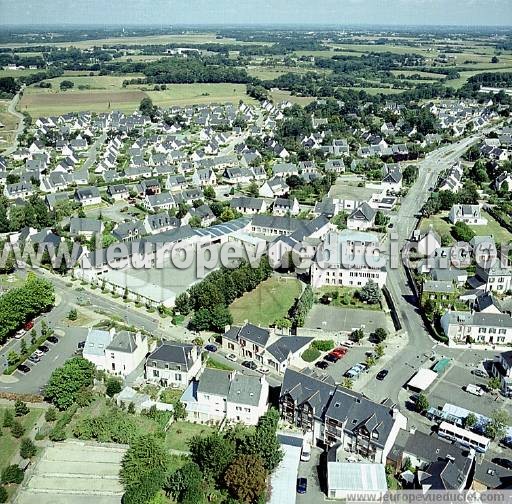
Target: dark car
{"points": [[52, 339], [322, 364], [211, 348], [382, 374], [81, 345], [249, 364], [43, 348], [331, 358], [23, 368], [503, 462], [302, 485], [479, 372]]}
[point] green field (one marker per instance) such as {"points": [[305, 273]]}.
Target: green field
{"points": [[9, 445], [500, 234], [180, 433], [439, 223], [270, 301], [345, 297], [280, 95]]}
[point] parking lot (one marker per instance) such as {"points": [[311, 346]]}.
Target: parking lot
{"points": [[331, 318], [310, 470]]}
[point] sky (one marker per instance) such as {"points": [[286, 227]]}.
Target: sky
{"points": [[304, 12]]}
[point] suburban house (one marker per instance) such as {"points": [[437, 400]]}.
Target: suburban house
{"points": [[95, 344], [248, 205], [276, 186], [469, 214], [118, 192], [495, 278], [217, 395], [285, 206], [158, 202], [204, 177], [85, 227], [88, 196], [19, 190], [362, 218], [348, 258], [477, 327], [125, 352], [392, 177], [453, 180], [332, 414], [173, 364]]}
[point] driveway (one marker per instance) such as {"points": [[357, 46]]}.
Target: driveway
{"points": [[311, 470]]}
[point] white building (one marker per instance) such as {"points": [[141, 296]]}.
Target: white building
{"points": [[469, 214], [231, 395], [125, 352], [346, 479]]}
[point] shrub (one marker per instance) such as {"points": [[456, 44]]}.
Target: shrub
{"points": [[113, 387], [310, 354], [20, 408], [17, 430], [12, 474], [3, 494], [51, 414], [27, 448], [323, 345], [8, 418]]}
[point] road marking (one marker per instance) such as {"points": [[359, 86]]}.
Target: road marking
{"points": [[56, 357]]}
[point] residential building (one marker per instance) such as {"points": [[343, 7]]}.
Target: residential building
{"points": [[285, 206], [88, 196], [248, 205], [362, 218], [125, 353], [502, 369], [469, 214]]}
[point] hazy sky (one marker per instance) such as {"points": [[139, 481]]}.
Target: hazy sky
{"points": [[342, 12]]}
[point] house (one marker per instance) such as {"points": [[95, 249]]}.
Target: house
{"points": [[501, 368], [21, 190], [392, 177], [494, 278], [248, 205], [348, 258], [276, 186], [125, 353], [285, 206], [202, 214], [335, 166], [88, 196], [175, 183], [332, 414], [443, 293], [362, 218], [160, 223], [469, 214], [238, 175], [480, 328], [173, 364], [285, 170], [425, 244], [95, 344], [158, 202], [453, 180], [503, 182], [118, 192], [219, 395], [248, 341], [149, 187], [129, 231], [85, 227], [204, 177]]}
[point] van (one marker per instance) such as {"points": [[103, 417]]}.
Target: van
{"points": [[474, 389], [305, 454]]}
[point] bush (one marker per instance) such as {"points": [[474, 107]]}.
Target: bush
{"points": [[3, 494], [12, 474], [27, 448], [323, 345], [73, 314], [20, 408], [8, 419], [51, 414], [310, 354], [17, 430], [113, 387]]}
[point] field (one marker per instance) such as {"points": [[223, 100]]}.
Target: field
{"points": [[270, 301], [9, 445], [192, 94], [500, 234], [9, 123], [279, 96], [439, 223], [179, 433]]}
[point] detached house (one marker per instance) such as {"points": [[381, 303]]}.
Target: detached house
{"points": [[469, 214], [204, 177], [248, 205], [118, 192], [392, 177], [276, 186], [158, 202], [88, 196], [502, 369], [285, 206], [173, 364], [362, 218], [21, 190]]}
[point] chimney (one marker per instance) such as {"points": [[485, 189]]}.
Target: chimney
{"points": [[412, 430], [227, 328], [112, 332], [138, 338], [193, 353]]}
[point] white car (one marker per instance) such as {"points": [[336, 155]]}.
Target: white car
{"points": [[263, 370], [232, 357], [39, 353], [19, 334], [474, 389]]}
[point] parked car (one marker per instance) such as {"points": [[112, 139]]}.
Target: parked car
{"points": [[348, 343], [39, 353], [332, 358], [263, 370], [302, 485], [19, 334], [23, 368], [305, 454], [210, 348], [232, 357], [322, 364], [479, 372], [81, 345], [474, 389], [338, 352], [29, 325], [249, 364], [34, 358], [507, 463], [43, 348], [52, 339], [382, 374]]}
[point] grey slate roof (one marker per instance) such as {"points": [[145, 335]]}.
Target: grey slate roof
{"points": [[248, 332], [175, 353], [285, 345]]}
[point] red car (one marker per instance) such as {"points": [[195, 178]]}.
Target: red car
{"points": [[339, 352], [29, 325]]}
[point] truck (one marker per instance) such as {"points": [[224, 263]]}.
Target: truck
{"points": [[474, 389]]}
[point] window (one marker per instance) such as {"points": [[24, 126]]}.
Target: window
{"points": [[177, 376], [156, 373]]}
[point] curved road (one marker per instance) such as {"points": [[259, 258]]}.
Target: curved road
{"points": [[11, 109]]}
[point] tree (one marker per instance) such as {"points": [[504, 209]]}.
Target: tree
{"points": [[182, 304], [497, 425], [462, 232], [253, 189], [470, 421], [179, 411], [143, 469], [147, 108], [66, 84], [8, 418], [340, 220], [12, 474], [370, 293], [209, 192], [12, 358], [283, 323], [220, 318], [379, 350], [186, 484], [201, 320], [27, 448], [131, 408], [246, 478], [494, 383], [410, 174], [347, 383], [113, 386], [212, 454], [381, 219], [67, 382], [17, 430], [422, 403], [495, 59], [3, 494], [379, 335], [356, 335], [51, 414], [20, 408]]}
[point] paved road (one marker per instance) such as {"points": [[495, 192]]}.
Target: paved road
{"points": [[11, 109]]}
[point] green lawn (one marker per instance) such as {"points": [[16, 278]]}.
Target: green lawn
{"points": [[9, 445], [215, 364], [179, 433], [440, 224], [346, 298], [270, 301], [500, 234]]}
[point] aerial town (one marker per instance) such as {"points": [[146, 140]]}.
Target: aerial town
{"points": [[282, 296]]}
